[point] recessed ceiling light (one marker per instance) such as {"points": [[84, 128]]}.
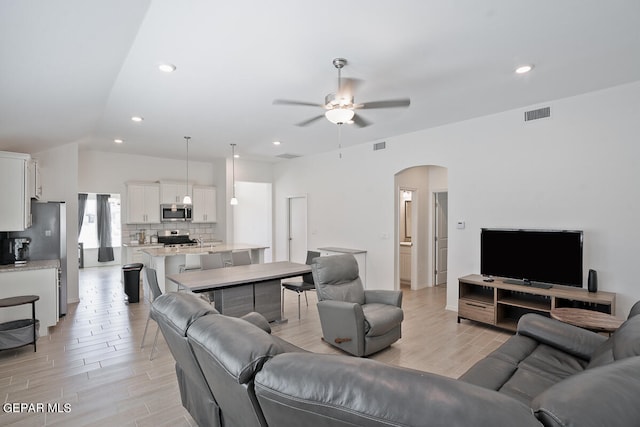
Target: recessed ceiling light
{"points": [[167, 68], [524, 69], [118, 141], [137, 118], [276, 142]]}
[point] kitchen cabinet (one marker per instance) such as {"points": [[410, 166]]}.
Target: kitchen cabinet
{"points": [[134, 254], [174, 192], [34, 184], [204, 204], [36, 278], [15, 206], [143, 203]]}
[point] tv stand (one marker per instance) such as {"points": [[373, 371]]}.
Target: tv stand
{"points": [[501, 303], [525, 282]]}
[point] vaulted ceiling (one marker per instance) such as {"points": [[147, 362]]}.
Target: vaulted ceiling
{"points": [[77, 70]]}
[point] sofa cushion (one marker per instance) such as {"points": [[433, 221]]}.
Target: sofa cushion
{"points": [[603, 396], [625, 342], [380, 318], [543, 368], [238, 346], [331, 390]]}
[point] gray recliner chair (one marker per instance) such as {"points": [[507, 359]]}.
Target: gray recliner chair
{"points": [[358, 321]]}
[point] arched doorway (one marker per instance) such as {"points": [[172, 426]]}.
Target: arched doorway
{"points": [[419, 220]]}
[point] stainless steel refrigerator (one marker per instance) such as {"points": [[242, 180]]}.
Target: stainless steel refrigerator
{"points": [[48, 234]]}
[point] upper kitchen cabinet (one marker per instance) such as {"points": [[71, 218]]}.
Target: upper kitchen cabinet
{"points": [[204, 204], [34, 184], [15, 203], [174, 192], [143, 203]]}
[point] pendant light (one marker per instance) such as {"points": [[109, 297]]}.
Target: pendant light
{"points": [[187, 198], [234, 201]]}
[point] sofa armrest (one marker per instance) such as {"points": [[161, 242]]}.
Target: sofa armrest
{"points": [[568, 338], [321, 389], [383, 297], [258, 320], [342, 324]]}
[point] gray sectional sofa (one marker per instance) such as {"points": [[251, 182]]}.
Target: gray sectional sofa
{"points": [[549, 374]]}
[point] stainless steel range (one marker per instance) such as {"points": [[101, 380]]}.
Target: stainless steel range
{"points": [[176, 239]]}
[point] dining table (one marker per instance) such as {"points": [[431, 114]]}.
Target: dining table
{"points": [[241, 289]]}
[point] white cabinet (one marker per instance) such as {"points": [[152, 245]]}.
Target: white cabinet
{"points": [[15, 208], [42, 282], [134, 254], [174, 192], [143, 203], [204, 204], [405, 264], [34, 186]]}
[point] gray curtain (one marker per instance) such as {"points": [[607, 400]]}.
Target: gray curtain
{"points": [[105, 251], [82, 202]]}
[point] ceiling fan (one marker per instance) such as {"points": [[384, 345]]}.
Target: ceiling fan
{"points": [[340, 106]]}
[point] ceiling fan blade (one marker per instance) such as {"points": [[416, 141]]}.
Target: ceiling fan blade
{"points": [[311, 120], [303, 103], [359, 121], [391, 103]]}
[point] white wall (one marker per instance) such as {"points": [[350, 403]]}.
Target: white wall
{"points": [[106, 172], [575, 170]]}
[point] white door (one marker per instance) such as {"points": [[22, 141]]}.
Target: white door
{"points": [[441, 237], [298, 229], [252, 218]]}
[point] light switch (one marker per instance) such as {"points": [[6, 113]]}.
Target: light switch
{"points": [[460, 225]]}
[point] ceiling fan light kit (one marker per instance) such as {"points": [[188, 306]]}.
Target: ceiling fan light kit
{"points": [[340, 106]]}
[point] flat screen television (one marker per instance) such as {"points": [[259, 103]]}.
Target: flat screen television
{"points": [[532, 257]]}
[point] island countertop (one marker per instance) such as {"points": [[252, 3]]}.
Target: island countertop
{"points": [[31, 265], [154, 252]]}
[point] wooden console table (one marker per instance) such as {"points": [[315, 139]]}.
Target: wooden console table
{"points": [[502, 304], [21, 300]]}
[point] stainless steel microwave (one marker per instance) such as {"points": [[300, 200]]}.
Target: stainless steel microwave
{"points": [[174, 213]]}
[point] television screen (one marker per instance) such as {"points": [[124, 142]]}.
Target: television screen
{"points": [[532, 256]]}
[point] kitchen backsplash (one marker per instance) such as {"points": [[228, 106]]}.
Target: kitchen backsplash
{"points": [[206, 232]]}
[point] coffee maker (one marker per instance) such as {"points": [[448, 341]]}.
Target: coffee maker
{"points": [[21, 249]]}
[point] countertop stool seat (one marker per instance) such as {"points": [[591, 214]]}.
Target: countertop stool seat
{"points": [[13, 302]]}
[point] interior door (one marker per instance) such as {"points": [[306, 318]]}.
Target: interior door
{"points": [[441, 237], [298, 229]]}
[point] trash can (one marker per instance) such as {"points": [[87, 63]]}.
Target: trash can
{"points": [[131, 274]]}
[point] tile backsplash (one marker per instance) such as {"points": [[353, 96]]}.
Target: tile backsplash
{"points": [[206, 232]]}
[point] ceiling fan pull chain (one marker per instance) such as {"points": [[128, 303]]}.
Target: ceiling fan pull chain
{"points": [[339, 140]]}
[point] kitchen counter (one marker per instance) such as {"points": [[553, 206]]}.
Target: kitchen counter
{"points": [[33, 278], [31, 265], [167, 261]]}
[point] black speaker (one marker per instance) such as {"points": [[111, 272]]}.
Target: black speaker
{"points": [[592, 282]]}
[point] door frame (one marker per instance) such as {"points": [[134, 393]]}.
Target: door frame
{"points": [[289, 222]]}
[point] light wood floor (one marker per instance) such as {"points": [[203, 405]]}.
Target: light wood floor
{"points": [[92, 359]]}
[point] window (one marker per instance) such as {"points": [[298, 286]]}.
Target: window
{"points": [[89, 233]]}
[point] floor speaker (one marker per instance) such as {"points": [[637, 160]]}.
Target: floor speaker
{"points": [[592, 281]]}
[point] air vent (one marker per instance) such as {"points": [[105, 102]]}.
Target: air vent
{"points": [[540, 113], [379, 146], [288, 156]]}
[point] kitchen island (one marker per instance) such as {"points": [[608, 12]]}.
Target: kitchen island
{"points": [[167, 261], [33, 278]]}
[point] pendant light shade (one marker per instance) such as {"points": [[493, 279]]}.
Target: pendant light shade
{"points": [[233, 201], [187, 198]]}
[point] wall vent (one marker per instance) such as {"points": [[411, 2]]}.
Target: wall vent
{"points": [[288, 156], [540, 113], [379, 146]]}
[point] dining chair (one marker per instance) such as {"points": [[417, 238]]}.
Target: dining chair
{"points": [[191, 262], [301, 286], [241, 258], [150, 279], [211, 261]]}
